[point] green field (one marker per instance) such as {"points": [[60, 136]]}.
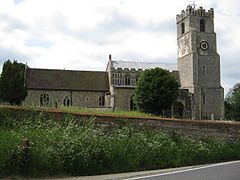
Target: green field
{"points": [[70, 146]]}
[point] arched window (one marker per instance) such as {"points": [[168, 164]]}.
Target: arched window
{"points": [[202, 25], [182, 28], [132, 104], [44, 100], [101, 101], [66, 102], [127, 81]]}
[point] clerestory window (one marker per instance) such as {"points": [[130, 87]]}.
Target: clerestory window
{"points": [[127, 81]]}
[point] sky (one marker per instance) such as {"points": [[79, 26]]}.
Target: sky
{"points": [[80, 34]]}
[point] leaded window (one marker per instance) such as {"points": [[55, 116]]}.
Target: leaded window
{"points": [[101, 101], [127, 81], [44, 100], [66, 102]]}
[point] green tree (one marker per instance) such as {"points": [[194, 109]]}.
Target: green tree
{"points": [[156, 91], [12, 83], [232, 103]]}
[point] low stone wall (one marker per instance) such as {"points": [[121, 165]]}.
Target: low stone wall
{"points": [[225, 129], [222, 129]]}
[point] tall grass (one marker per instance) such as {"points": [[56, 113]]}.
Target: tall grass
{"points": [[70, 146]]}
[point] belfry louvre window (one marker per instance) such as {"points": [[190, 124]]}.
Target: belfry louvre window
{"points": [[182, 28], [66, 101], [202, 25], [101, 101], [44, 100]]}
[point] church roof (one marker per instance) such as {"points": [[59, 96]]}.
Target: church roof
{"points": [[143, 65], [51, 79]]}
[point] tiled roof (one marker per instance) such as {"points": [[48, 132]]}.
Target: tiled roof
{"points": [[143, 65], [67, 80]]}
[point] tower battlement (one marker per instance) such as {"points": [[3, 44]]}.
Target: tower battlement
{"points": [[191, 11]]}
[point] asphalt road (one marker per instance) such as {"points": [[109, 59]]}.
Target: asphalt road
{"points": [[220, 171]]}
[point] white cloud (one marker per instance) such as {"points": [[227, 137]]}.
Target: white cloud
{"points": [[79, 34]]}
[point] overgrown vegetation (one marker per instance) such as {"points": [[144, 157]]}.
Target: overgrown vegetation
{"points": [[69, 146]]}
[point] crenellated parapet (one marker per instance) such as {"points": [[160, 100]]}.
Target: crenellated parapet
{"points": [[191, 11]]}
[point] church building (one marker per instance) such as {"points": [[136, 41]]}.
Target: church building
{"points": [[197, 70]]}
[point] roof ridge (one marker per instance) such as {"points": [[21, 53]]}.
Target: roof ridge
{"points": [[42, 69], [143, 62], [143, 65]]}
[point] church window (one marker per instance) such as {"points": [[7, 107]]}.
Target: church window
{"points": [[44, 100], [182, 28], [101, 101], [117, 79], [66, 102], [127, 81], [202, 25]]}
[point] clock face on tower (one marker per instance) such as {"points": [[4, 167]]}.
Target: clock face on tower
{"points": [[204, 45]]}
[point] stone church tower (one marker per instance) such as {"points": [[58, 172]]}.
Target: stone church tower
{"points": [[199, 62]]}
